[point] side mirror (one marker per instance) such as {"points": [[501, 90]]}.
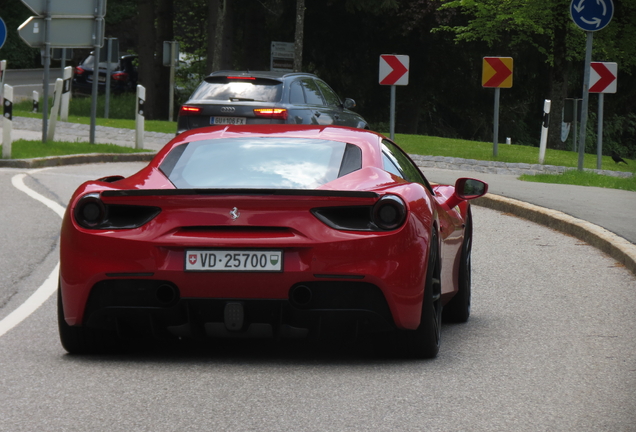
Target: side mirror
{"points": [[467, 189], [349, 103]]}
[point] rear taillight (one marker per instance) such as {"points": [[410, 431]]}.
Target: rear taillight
{"points": [[389, 212], [120, 76], [92, 213], [271, 113], [189, 110], [79, 70]]}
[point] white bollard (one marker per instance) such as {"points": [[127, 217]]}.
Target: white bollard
{"points": [[66, 92], [544, 129], [55, 111], [139, 117], [36, 101], [7, 121]]}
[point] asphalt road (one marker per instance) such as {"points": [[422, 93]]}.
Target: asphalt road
{"points": [[25, 81], [551, 345]]}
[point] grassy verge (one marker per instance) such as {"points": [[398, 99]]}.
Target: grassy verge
{"points": [[435, 146], [24, 149], [575, 177]]}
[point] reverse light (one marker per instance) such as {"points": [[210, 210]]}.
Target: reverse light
{"points": [[91, 213], [189, 110], [271, 113]]}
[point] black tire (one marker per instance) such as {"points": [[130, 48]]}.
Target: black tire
{"points": [[425, 341], [82, 340], [457, 310]]}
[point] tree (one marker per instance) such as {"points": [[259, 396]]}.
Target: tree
{"points": [[544, 25], [155, 18]]}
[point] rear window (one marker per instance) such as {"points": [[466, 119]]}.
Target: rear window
{"points": [[89, 62], [224, 89], [259, 163]]}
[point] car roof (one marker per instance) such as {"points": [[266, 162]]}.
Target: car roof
{"points": [[261, 74]]}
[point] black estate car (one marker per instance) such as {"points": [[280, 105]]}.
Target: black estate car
{"points": [[231, 97], [123, 74]]}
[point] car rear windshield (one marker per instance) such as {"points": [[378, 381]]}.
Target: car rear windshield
{"points": [[228, 89], [259, 163], [89, 62]]}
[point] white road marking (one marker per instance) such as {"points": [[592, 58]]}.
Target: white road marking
{"points": [[18, 182], [32, 303], [49, 286]]}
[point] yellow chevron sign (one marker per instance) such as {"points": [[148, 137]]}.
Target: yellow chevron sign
{"points": [[497, 72]]}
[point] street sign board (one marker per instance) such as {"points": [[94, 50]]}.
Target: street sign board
{"points": [[394, 69], [591, 15], [64, 32], [67, 7], [3, 32], [497, 72], [603, 77], [282, 56]]}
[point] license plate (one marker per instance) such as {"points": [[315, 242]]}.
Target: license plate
{"points": [[102, 79], [227, 120], [234, 260]]}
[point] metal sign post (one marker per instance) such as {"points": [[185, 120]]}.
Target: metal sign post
{"points": [[602, 80], [589, 16], [497, 74], [170, 58], [394, 71], [62, 24]]}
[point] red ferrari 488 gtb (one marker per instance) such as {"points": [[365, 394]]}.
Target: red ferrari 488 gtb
{"points": [[274, 231]]}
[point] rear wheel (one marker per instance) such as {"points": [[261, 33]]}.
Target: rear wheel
{"points": [[458, 309], [82, 340], [424, 342]]}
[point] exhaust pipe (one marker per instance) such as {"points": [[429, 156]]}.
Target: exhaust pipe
{"points": [[167, 294], [300, 295]]}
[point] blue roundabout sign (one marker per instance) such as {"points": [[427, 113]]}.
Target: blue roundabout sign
{"points": [[3, 32], [591, 15]]}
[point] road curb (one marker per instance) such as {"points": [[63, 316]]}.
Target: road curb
{"points": [[53, 161], [617, 247]]}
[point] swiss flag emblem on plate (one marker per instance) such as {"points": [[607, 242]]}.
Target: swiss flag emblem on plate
{"points": [[192, 258]]}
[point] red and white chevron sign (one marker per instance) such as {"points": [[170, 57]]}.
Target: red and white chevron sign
{"points": [[603, 77], [394, 69]]}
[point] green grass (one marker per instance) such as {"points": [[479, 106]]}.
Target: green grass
{"points": [[434, 146], [584, 178], [24, 149]]}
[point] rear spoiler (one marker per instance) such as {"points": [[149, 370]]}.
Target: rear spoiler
{"points": [[259, 192]]}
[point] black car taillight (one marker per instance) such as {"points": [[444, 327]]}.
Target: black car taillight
{"points": [[79, 71], [271, 113], [91, 213], [389, 213], [189, 110]]}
